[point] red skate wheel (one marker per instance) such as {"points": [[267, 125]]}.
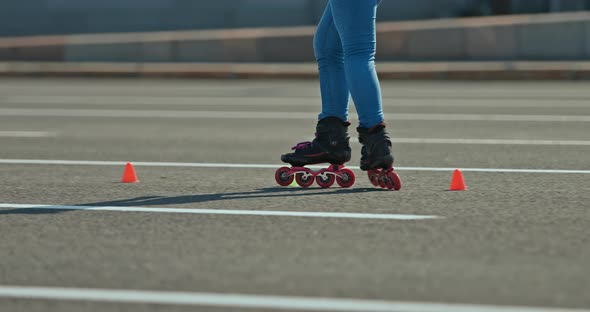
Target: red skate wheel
{"points": [[388, 183], [382, 180], [326, 181], [395, 180], [346, 178], [282, 176], [373, 177], [304, 179]]}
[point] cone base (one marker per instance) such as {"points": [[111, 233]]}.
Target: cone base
{"points": [[458, 189], [129, 175], [458, 182]]}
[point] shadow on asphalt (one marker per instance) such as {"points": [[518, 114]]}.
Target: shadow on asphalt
{"points": [[32, 211], [274, 192]]}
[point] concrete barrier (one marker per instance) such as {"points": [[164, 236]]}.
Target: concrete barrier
{"points": [[36, 17], [563, 36], [413, 71], [491, 42]]}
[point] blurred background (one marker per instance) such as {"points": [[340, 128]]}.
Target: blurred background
{"points": [[281, 31], [35, 17]]}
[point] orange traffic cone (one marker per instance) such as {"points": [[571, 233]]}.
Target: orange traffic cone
{"points": [[129, 175], [457, 182]]}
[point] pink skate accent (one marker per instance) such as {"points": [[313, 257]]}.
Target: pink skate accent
{"points": [[305, 176], [302, 145], [315, 155], [295, 170], [385, 178]]}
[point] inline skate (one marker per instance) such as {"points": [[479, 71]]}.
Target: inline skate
{"points": [[376, 157], [331, 145]]}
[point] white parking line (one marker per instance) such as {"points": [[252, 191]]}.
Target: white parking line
{"points": [[252, 301], [120, 113], [303, 214], [485, 141], [280, 101], [265, 166], [26, 134], [490, 142]]}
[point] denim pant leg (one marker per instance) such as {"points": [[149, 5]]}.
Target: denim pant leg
{"points": [[355, 21], [330, 57]]}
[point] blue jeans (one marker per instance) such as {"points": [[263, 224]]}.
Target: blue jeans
{"points": [[344, 45]]}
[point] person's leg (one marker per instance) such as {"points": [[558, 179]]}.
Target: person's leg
{"points": [[330, 57], [331, 143], [355, 22]]}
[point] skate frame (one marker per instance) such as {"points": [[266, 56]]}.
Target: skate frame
{"points": [[325, 178]]}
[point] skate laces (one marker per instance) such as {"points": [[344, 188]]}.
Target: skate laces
{"points": [[302, 146]]}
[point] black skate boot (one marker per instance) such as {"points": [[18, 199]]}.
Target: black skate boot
{"points": [[331, 145], [376, 157]]}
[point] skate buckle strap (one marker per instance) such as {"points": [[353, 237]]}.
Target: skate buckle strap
{"points": [[302, 145]]}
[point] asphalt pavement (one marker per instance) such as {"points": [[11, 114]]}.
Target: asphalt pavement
{"points": [[519, 236]]}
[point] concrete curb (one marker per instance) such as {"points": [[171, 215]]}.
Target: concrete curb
{"points": [[387, 71], [542, 37]]}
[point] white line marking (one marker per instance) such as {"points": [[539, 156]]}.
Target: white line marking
{"points": [[252, 301], [488, 141], [197, 100], [307, 214], [494, 170], [262, 166], [122, 113], [26, 134]]}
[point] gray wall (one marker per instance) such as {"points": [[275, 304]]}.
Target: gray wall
{"points": [[35, 17]]}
